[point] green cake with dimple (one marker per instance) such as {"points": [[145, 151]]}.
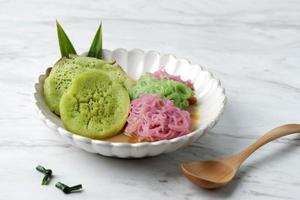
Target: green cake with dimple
{"points": [[64, 71], [94, 106]]}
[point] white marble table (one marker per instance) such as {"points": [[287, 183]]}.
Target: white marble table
{"points": [[252, 46]]}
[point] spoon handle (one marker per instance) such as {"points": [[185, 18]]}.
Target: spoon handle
{"points": [[268, 137]]}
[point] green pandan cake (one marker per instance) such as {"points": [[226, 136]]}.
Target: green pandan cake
{"points": [[64, 71], [95, 105]]}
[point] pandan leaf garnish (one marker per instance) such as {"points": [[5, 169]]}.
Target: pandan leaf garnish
{"points": [[65, 44], [67, 189], [96, 47], [47, 174]]}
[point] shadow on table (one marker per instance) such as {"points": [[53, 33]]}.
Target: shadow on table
{"points": [[167, 167]]}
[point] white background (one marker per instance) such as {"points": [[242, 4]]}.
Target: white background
{"points": [[252, 46]]}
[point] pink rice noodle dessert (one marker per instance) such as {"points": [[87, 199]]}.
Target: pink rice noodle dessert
{"points": [[152, 118], [163, 74]]}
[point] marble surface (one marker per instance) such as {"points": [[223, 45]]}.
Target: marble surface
{"points": [[252, 46]]}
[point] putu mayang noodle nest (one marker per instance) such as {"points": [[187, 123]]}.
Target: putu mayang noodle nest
{"points": [[162, 74], [166, 88], [152, 118]]}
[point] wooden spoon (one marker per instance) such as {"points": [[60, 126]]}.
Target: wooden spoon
{"points": [[216, 173]]}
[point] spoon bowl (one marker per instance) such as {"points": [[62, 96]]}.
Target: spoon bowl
{"points": [[208, 174], [216, 173]]}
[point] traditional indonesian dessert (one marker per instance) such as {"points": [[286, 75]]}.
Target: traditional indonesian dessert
{"points": [[152, 118], [66, 69], [97, 99], [178, 92], [162, 74], [95, 105]]}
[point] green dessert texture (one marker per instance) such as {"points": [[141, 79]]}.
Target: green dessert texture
{"points": [[94, 106], [64, 71], [165, 88]]}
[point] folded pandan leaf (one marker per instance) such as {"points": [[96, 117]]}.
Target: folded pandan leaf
{"points": [[65, 44], [96, 46]]}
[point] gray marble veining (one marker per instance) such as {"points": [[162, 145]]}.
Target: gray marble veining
{"points": [[252, 46]]}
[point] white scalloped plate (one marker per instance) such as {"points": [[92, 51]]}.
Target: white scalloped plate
{"points": [[209, 92]]}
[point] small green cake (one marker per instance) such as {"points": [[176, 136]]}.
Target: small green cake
{"points": [[94, 106], [63, 72]]}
